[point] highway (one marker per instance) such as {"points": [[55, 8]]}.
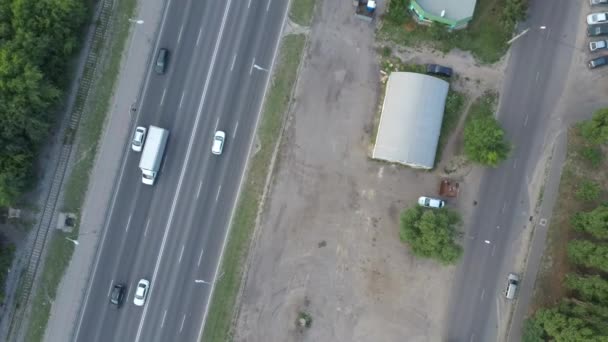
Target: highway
{"points": [[534, 81], [173, 232]]}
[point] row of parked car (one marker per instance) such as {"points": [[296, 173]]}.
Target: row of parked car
{"points": [[598, 26]]}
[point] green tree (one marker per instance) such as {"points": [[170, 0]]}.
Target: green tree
{"points": [[431, 233], [484, 141], [562, 327], [533, 331], [588, 254], [514, 11], [588, 190], [594, 222], [590, 288], [596, 129]]}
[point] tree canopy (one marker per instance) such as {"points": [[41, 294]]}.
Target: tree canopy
{"points": [[37, 39], [594, 222], [431, 233], [589, 254], [596, 129], [484, 139]]}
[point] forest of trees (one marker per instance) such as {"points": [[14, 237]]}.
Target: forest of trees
{"points": [[37, 40]]}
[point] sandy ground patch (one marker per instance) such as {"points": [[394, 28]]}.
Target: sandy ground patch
{"points": [[328, 240]]}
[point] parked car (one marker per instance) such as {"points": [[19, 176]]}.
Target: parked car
{"points": [[598, 62], [597, 30], [598, 45], [218, 142], [512, 283], [440, 70], [429, 202], [598, 2], [161, 61], [139, 138], [597, 18], [141, 293], [117, 295]]}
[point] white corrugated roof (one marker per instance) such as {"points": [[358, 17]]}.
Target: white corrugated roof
{"points": [[411, 119]]}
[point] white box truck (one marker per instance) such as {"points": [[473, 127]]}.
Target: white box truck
{"points": [[152, 156]]}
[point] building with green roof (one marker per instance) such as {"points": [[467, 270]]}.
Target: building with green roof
{"points": [[454, 13]]}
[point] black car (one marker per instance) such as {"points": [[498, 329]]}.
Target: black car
{"points": [[597, 30], [117, 295], [598, 2], [440, 70], [598, 62], [161, 61]]}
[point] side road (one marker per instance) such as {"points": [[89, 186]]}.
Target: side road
{"points": [[65, 311]]}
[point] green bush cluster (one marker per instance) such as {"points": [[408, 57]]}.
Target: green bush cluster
{"points": [[37, 39], [431, 233], [484, 138]]}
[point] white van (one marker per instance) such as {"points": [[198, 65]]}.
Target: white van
{"points": [[512, 283]]}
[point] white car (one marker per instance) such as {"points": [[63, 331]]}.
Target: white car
{"points": [[597, 18], [218, 142], [597, 45], [598, 2], [139, 138], [141, 293], [429, 202]]}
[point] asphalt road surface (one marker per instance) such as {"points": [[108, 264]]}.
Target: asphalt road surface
{"points": [[534, 83], [172, 233]]}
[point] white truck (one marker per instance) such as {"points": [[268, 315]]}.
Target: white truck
{"points": [[152, 156]]}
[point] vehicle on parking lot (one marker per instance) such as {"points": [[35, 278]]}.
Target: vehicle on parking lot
{"points": [[429, 202], [161, 61], [139, 138], [597, 18], [597, 30], [117, 295], [440, 70], [141, 293], [598, 2], [218, 142], [598, 62], [512, 283], [597, 45]]}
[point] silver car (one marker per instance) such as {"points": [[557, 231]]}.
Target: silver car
{"points": [[512, 283], [597, 45], [597, 18], [139, 138], [598, 2]]}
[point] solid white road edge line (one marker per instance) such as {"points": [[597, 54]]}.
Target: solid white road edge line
{"points": [[257, 121], [185, 164]]}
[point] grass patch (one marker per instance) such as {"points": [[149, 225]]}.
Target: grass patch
{"points": [[555, 265], [301, 12], [451, 115], [91, 124], [484, 105], [221, 312], [485, 37], [60, 250], [59, 255]]}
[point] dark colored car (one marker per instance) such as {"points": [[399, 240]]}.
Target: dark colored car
{"points": [[598, 62], [597, 30], [440, 70], [161, 61], [117, 295]]}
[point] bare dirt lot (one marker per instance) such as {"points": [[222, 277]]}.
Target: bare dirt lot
{"points": [[327, 242]]}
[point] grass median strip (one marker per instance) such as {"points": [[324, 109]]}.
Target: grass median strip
{"points": [[60, 250], [301, 11], [221, 312]]}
